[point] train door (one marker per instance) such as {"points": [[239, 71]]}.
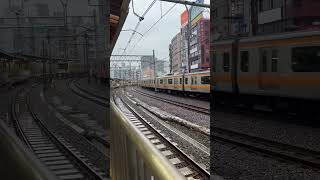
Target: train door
{"points": [[263, 67], [268, 72], [234, 67]]}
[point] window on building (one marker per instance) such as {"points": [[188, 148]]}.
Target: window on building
{"points": [[274, 60], [226, 62], [244, 61], [263, 61], [306, 59], [205, 80], [169, 81]]}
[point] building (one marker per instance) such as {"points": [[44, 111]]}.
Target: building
{"points": [[175, 52], [198, 57], [147, 67], [200, 46], [184, 42], [57, 40], [274, 16], [243, 18]]}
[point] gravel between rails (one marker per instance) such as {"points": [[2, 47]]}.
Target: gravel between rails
{"points": [[95, 111], [187, 100], [234, 163], [94, 155], [196, 154], [197, 118], [298, 135], [198, 136]]}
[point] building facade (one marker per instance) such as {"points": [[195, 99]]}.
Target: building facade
{"points": [[175, 52], [147, 67], [243, 18], [200, 46]]}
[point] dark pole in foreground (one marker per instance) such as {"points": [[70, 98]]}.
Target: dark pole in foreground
{"points": [[154, 71]]}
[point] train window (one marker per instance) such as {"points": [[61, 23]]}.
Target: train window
{"points": [[180, 81], [244, 62], [186, 80], [214, 59], [175, 81], [205, 80], [306, 59], [226, 62], [274, 60], [263, 61], [161, 81], [169, 81]]}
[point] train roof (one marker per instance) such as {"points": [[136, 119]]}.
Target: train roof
{"points": [[278, 36], [186, 74]]}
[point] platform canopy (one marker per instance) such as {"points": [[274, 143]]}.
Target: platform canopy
{"points": [[118, 13]]}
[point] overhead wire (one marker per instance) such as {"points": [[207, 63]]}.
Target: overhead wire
{"points": [[152, 26], [137, 25]]}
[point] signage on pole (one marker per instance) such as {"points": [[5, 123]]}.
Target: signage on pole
{"points": [[195, 10]]}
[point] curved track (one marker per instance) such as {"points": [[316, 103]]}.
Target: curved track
{"points": [[53, 150], [191, 107], [177, 157], [184, 164]]}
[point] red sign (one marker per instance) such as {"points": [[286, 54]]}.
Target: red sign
{"points": [[184, 18]]}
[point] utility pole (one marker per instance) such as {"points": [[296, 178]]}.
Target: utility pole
{"points": [[188, 37], [44, 67], [86, 55], [49, 54], [154, 71]]}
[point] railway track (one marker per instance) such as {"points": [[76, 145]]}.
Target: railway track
{"points": [[191, 107], [271, 148], [100, 100], [189, 168], [59, 156]]}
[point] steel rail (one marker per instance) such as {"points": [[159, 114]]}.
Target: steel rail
{"points": [[100, 100], [269, 147], [60, 145], [202, 172], [180, 104]]}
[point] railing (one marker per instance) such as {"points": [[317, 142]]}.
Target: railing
{"points": [[133, 156], [16, 161]]}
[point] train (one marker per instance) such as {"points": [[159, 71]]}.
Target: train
{"points": [[280, 70], [197, 83]]}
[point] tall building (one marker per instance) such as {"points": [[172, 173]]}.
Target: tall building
{"points": [[258, 17], [147, 67], [274, 16], [176, 54], [200, 46]]}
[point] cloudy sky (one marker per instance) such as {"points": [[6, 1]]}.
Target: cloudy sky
{"points": [[159, 37]]}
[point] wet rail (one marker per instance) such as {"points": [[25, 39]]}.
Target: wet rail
{"points": [[191, 107], [59, 156]]}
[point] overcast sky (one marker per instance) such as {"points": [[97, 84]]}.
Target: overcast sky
{"points": [[159, 37]]}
